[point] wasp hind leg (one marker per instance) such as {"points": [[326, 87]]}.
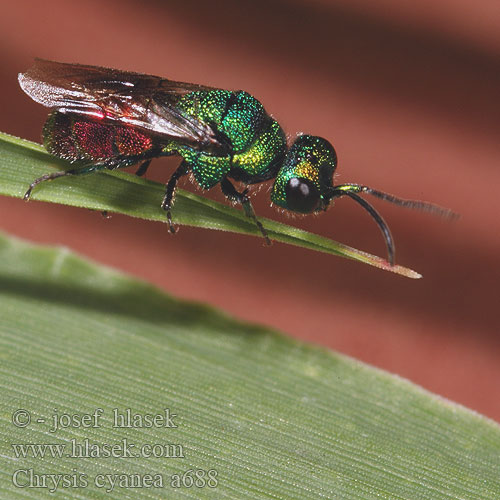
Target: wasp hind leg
{"points": [[111, 164], [87, 169], [242, 198], [168, 199]]}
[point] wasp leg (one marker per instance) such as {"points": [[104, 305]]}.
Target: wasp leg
{"points": [[75, 171], [232, 194], [167, 202], [143, 167]]}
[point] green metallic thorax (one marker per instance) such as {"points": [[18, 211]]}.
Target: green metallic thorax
{"points": [[258, 142]]}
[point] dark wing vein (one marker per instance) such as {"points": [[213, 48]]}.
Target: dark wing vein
{"points": [[143, 101]]}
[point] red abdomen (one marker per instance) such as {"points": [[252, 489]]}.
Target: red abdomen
{"points": [[73, 138]]}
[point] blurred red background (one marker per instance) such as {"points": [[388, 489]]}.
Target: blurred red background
{"points": [[407, 93]]}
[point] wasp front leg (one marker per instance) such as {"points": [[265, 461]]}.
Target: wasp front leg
{"points": [[232, 194]]}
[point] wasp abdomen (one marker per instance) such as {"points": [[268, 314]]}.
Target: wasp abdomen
{"points": [[73, 138]]}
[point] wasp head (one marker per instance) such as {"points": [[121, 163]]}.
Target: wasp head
{"points": [[304, 182]]}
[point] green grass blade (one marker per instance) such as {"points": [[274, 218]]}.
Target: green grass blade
{"points": [[23, 161], [274, 417]]}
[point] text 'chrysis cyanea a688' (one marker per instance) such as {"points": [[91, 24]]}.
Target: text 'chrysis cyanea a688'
{"points": [[106, 119]]}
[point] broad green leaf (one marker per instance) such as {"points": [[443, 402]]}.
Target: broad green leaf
{"points": [[275, 418], [22, 161]]}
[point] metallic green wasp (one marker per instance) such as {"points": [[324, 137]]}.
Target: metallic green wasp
{"points": [[107, 119]]}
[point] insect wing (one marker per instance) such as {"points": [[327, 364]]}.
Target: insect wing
{"points": [[143, 101]]}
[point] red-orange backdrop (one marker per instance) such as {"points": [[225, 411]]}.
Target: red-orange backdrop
{"points": [[408, 94]]}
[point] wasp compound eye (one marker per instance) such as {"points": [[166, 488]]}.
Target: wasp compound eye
{"points": [[301, 195]]}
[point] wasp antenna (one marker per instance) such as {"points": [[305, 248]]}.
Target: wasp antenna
{"points": [[389, 241], [423, 206]]}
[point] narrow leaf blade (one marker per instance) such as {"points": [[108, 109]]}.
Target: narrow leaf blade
{"points": [[23, 161]]}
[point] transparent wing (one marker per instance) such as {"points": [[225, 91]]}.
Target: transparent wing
{"points": [[143, 101]]}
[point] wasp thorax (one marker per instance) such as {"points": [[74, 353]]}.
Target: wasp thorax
{"points": [[304, 182]]}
